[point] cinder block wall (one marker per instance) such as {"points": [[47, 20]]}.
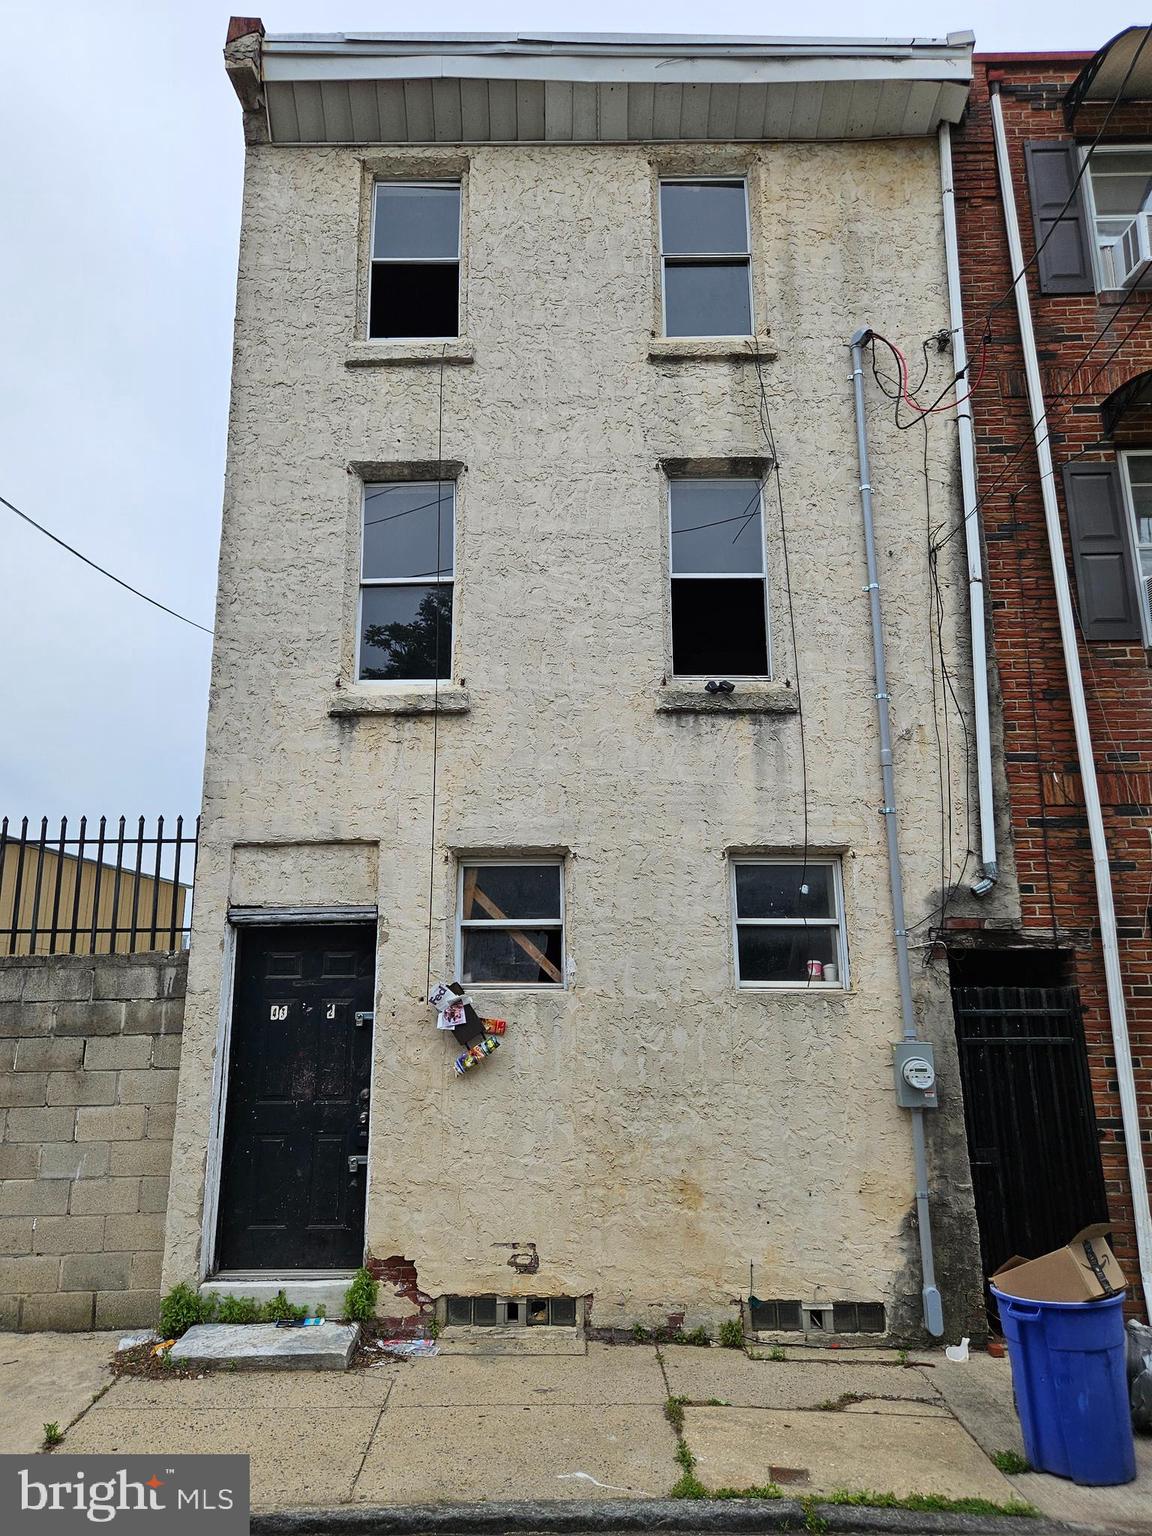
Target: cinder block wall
{"points": [[89, 1057]]}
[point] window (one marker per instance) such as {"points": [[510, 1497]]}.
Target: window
{"points": [[704, 251], [1121, 183], [1137, 479], [415, 278], [719, 583], [405, 626], [788, 927], [511, 923]]}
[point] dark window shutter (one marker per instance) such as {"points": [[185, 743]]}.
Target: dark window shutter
{"points": [[1065, 263], [1102, 552]]}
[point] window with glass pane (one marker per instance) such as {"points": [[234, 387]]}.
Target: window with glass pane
{"points": [[1121, 182], [1138, 487], [415, 278], [789, 930], [705, 254], [406, 576], [719, 584], [511, 924]]}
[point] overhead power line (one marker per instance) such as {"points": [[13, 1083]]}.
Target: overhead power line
{"points": [[135, 591]]}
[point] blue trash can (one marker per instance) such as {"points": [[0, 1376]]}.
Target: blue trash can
{"points": [[1071, 1388]]}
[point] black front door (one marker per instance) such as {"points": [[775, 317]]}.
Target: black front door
{"points": [[1032, 1137], [296, 1122]]}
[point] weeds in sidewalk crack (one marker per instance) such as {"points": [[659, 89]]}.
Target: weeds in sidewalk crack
{"points": [[1011, 1462], [53, 1435]]}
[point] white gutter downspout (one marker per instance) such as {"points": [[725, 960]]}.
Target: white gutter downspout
{"points": [[967, 449], [1129, 1110]]}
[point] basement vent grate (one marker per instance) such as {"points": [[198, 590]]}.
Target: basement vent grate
{"points": [[858, 1317], [500, 1311], [775, 1316]]}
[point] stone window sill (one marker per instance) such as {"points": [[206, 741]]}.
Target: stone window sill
{"points": [[747, 699], [406, 354], [677, 349], [417, 700]]}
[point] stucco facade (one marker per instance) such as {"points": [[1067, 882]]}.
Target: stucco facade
{"points": [[651, 1128]]}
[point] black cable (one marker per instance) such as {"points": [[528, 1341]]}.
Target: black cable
{"points": [[764, 417], [436, 675], [47, 532], [945, 782], [1027, 628], [1065, 395]]}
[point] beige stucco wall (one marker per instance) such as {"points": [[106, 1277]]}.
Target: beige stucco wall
{"points": [[651, 1129]]}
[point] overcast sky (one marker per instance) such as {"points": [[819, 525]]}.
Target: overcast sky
{"points": [[120, 185]]}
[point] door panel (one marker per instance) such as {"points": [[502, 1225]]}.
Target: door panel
{"points": [[1032, 1137], [298, 1077]]}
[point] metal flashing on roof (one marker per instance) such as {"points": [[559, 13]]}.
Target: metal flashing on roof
{"points": [[1120, 71], [606, 87]]}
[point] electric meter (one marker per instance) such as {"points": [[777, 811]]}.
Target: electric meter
{"points": [[918, 1073], [915, 1071]]}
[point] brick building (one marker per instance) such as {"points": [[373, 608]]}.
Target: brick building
{"points": [[1077, 135]]}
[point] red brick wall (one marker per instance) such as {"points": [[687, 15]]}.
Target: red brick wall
{"points": [[1049, 828]]}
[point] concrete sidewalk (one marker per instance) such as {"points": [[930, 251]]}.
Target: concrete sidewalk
{"points": [[467, 1429]]}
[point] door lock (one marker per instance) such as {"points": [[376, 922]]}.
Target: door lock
{"points": [[357, 1161], [363, 1117], [364, 1018]]}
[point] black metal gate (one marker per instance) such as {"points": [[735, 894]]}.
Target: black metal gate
{"points": [[1032, 1137]]}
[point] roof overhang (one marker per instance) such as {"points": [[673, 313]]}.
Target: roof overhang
{"points": [[1120, 71], [414, 88]]}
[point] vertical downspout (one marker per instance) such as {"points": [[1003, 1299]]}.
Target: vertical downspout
{"points": [[975, 556], [1109, 939], [933, 1308]]}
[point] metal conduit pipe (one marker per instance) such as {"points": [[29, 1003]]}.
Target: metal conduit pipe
{"points": [[975, 556], [933, 1310], [1109, 939]]}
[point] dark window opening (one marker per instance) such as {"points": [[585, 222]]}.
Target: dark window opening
{"points": [[719, 619], [415, 276], [1011, 967], [719, 629], [409, 301]]}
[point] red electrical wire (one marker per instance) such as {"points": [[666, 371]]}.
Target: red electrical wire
{"points": [[935, 409]]}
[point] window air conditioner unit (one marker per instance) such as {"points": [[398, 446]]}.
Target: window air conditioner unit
{"points": [[1132, 254]]}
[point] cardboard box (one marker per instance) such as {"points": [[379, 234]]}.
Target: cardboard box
{"points": [[1083, 1270]]}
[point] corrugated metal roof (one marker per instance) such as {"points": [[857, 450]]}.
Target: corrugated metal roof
{"points": [[605, 87]]}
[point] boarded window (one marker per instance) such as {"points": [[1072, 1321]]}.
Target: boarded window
{"points": [[406, 580], [719, 586], [705, 257], [789, 929], [415, 278], [511, 923]]}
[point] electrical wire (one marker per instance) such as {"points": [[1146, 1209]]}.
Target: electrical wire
{"points": [[1066, 396], [435, 677], [136, 592], [764, 417]]}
